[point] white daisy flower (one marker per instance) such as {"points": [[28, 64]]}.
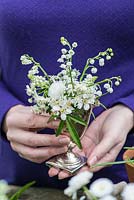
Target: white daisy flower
{"points": [[128, 192], [101, 187]]}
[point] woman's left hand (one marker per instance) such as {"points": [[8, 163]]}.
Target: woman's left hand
{"points": [[104, 138]]}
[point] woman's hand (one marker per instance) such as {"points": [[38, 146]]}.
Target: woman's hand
{"points": [[21, 126], [104, 138]]}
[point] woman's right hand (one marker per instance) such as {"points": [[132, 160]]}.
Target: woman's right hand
{"points": [[21, 126]]}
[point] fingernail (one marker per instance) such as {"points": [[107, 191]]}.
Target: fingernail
{"points": [[93, 161], [64, 140]]}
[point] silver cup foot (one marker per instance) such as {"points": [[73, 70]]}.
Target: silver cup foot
{"points": [[69, 162]]}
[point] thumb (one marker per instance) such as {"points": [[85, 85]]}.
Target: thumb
{"points": [[100, 151]]}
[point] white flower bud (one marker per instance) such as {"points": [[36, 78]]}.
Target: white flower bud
{"points": [[63, 66], [25, 60], [63, 116], [91, 61], [71, 52], [99, 93], [110, 90], [101, 62], [63, 56], [108, 57], [68, 56], [60, 60], [74, 44], [94, 70], [86, 107], [69, 64], [64, 51], [107, 85], [117, 83]]}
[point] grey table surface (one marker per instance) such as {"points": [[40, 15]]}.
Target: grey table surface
{"points": [[40, 194]]}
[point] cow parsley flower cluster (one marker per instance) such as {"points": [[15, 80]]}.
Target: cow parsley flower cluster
{"points": [[69, 93], [100, 189]]}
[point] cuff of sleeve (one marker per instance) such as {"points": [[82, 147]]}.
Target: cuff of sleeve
{"points": [[127, 101]]}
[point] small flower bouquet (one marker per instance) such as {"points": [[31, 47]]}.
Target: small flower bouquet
{"points": [[100, 189], [70, 94]]}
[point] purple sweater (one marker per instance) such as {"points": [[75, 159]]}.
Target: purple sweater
{"points": [[34, 27]]}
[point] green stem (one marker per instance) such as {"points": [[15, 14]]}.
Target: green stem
{"points": [[129, 148], [84, 71], [41, 68], [106, 80], [88, 193], [112, 163]]}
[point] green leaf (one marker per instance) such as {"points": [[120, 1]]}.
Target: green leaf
{"points": [[78, 119], [17, 195], [73, 132], [60, 128]]}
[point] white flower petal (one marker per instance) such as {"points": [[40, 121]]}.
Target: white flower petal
{"points": [[56, 90]]}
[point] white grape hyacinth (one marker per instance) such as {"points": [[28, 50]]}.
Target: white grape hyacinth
{"points": [[77, 182], [128, 192], [56, 90], [101, 187]]}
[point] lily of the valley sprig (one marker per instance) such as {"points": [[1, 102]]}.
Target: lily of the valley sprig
{"points": [[65, 95]]}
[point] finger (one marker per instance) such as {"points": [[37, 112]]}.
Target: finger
{"points": [[100, 150], [35, 140], [53, 171], [30, 120], [64, 174], [37, 154], [109, 157]]}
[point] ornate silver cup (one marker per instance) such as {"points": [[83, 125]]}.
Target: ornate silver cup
{"points": [[70, 161]]}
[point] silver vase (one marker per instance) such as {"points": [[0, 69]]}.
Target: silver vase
{"points": [[70, 161]]}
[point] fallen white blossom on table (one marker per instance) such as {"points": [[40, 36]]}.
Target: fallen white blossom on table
{"points": [[128, 192], [100, 189], [78, 182]]}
